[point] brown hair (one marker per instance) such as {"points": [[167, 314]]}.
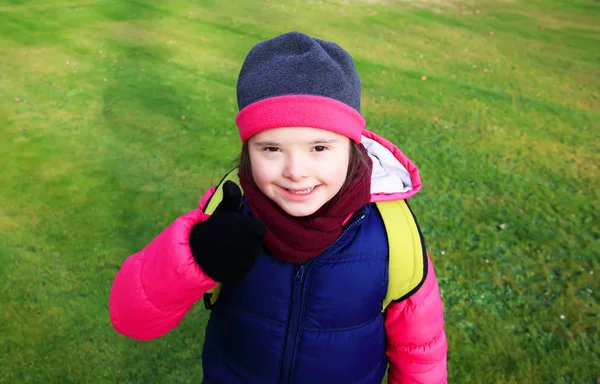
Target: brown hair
{"points": [[356, 164]]}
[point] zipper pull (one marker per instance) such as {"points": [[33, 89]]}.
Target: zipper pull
{"points": [[299, 274]]}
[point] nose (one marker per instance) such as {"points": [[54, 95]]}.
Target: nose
{"points": [[296, 167]]}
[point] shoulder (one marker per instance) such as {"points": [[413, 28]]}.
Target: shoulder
{"points": [[408, 262], [206, 198]]}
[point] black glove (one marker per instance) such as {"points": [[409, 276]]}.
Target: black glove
{"points": [[228, 243]]}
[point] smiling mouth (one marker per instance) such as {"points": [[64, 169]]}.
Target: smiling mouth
{"points": [[300, 191]]}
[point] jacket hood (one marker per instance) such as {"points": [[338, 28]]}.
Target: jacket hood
{"points": [[394, 176]]}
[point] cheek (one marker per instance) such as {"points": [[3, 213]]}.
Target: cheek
{"points": [[261, 172], [335, 171], [340, 176]]}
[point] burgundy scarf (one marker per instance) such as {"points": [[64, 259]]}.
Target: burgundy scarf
{"points": [[297, 239]]}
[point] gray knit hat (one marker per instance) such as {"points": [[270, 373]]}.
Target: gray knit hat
{"points": [[294, 80]]}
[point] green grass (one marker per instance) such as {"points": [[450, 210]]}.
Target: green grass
{"points": [[96, 159]]}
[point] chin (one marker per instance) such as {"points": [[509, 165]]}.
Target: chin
{"points": [[300, 211]]}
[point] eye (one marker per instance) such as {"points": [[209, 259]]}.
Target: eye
{"points": [[319, 148], [271, 149]]}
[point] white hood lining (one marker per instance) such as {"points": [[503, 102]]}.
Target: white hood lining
{"points": [[389, 175]]}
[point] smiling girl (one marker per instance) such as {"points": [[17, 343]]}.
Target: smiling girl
{"points": [[315, 282]]}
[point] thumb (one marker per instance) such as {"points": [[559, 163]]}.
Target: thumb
{"points": [[232, 198]]}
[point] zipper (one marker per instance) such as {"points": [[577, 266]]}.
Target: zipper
{"points": [[294, 323], [296, 310], [354, 223]]}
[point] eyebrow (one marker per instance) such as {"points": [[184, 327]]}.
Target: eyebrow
{"points": [[330, 141], [276, 144], [265, 144]]}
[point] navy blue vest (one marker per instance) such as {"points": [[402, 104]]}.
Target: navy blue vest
{"points": [[315, 322]]}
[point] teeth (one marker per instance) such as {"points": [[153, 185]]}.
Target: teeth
{"points": [[303, 191]]}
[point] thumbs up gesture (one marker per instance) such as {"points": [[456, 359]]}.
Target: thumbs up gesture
{"points": [[228, 243]]}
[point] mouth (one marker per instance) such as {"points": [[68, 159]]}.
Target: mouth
{"points": [[301, 191]]}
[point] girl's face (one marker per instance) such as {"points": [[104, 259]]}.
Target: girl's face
{"points": [[300, 169]]}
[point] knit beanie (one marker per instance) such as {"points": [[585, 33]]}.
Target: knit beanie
{"points": [[294, 80]]}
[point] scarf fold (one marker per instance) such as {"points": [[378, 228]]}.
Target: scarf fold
{"points": [[297, 239]]}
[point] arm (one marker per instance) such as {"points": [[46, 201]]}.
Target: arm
{"points": [[416, 342], [156, 287]]}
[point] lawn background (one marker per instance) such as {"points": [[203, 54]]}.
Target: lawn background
{"points": [[117, 115]]}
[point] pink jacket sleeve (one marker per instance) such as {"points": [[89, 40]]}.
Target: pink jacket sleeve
{"points": [[156, 287], [416, 342]]}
